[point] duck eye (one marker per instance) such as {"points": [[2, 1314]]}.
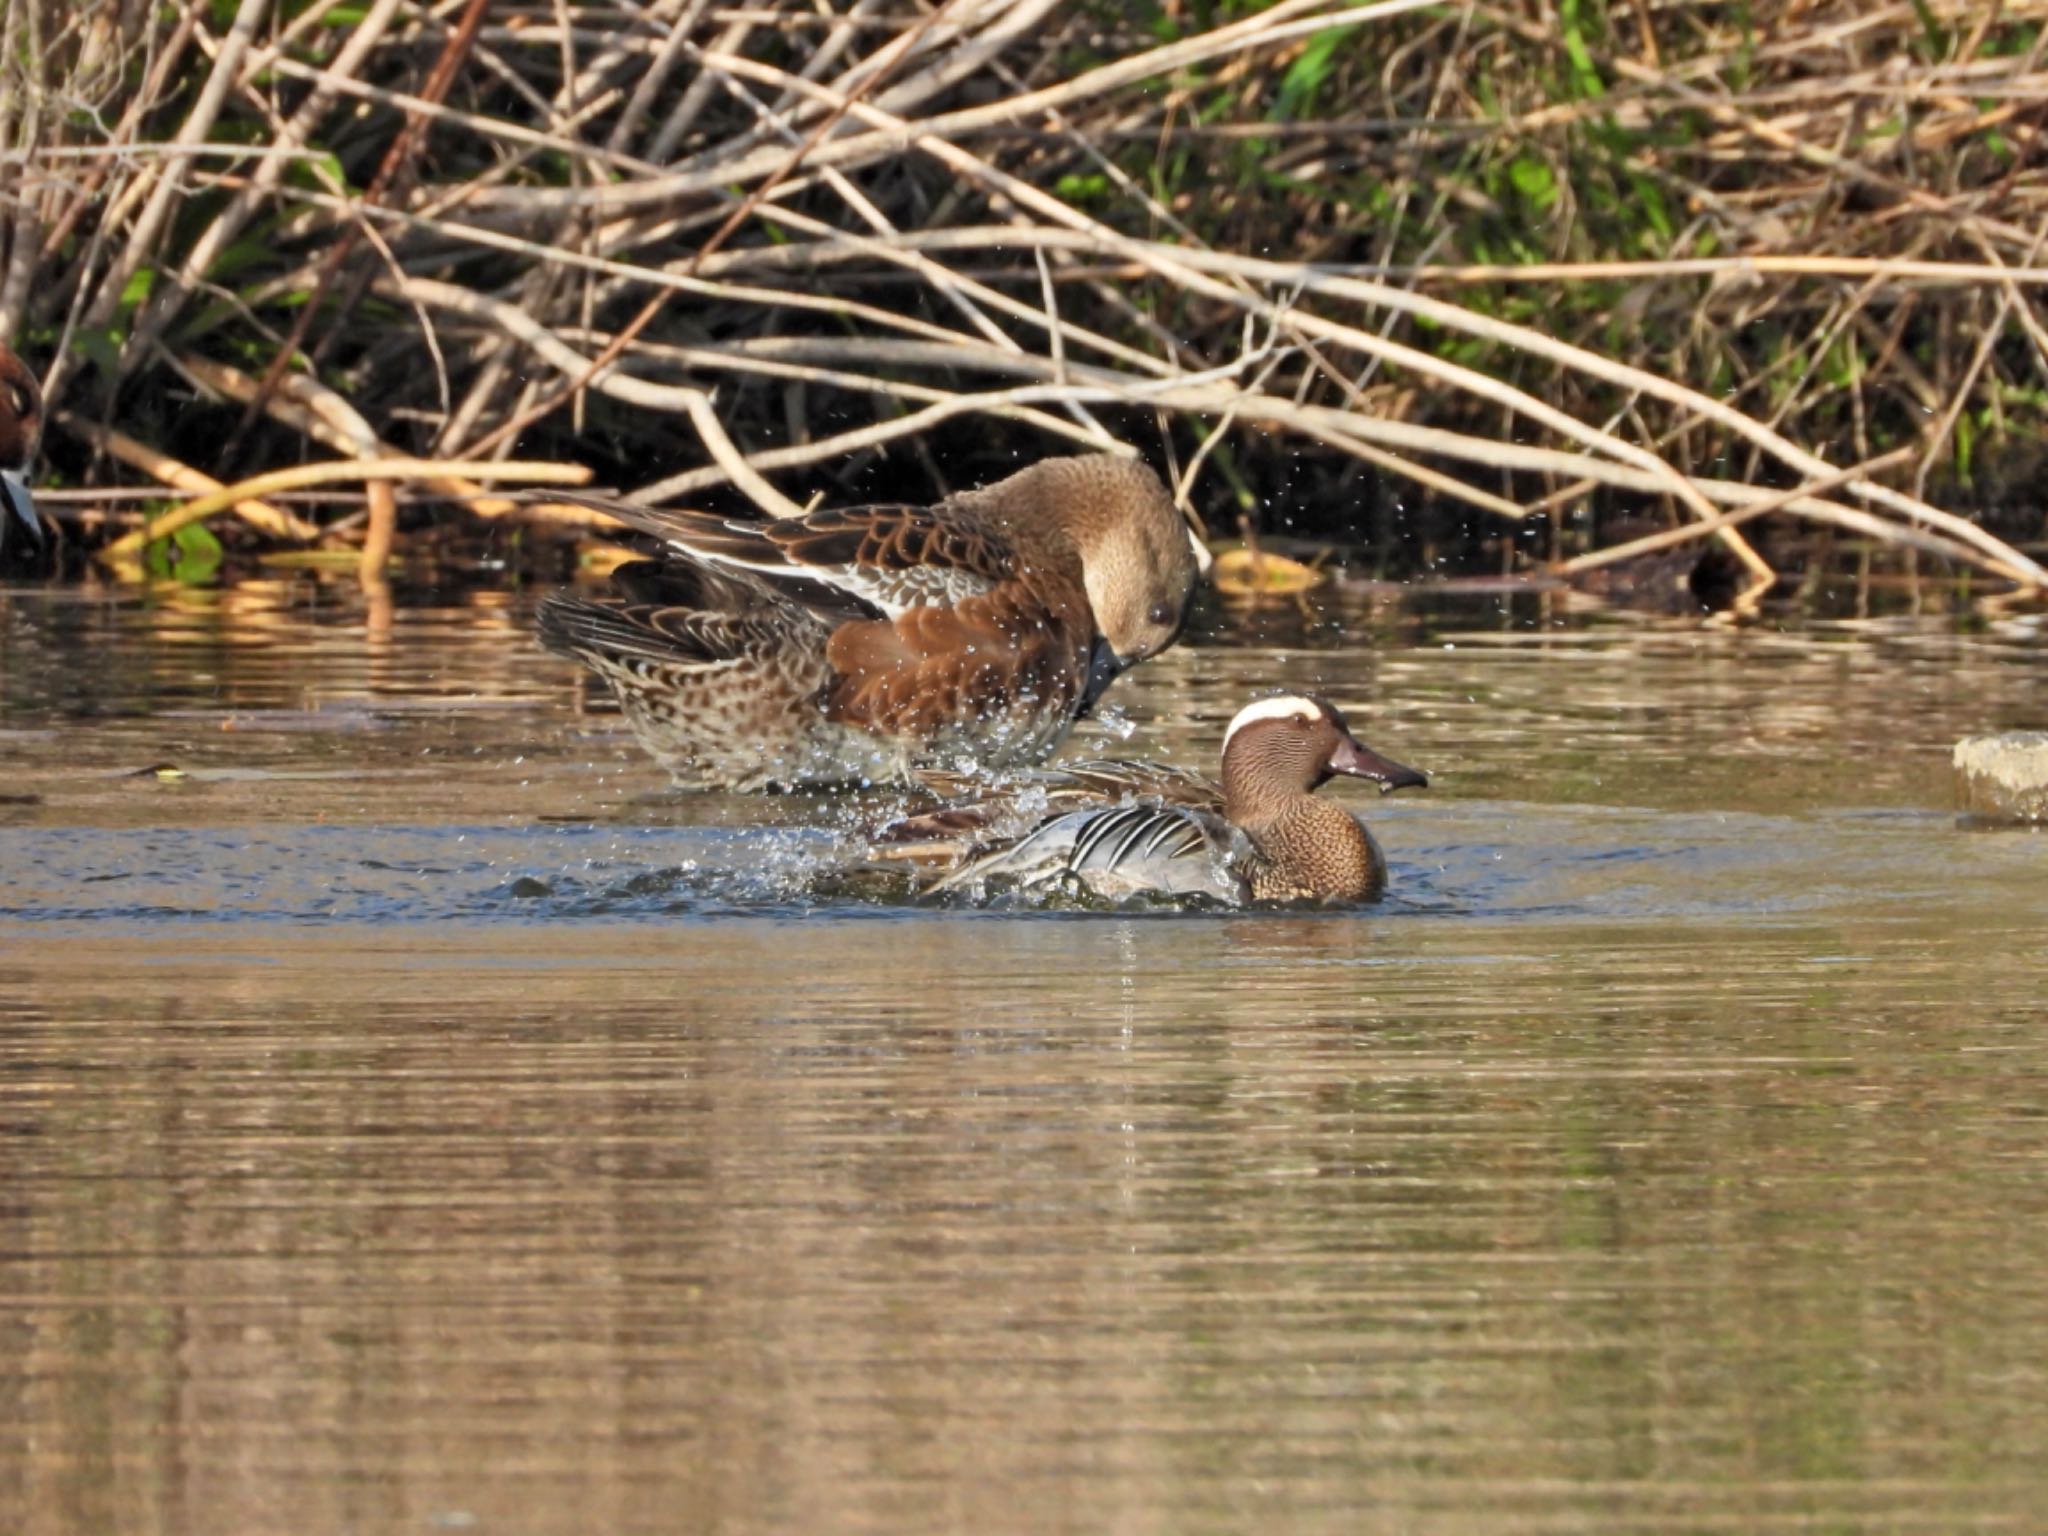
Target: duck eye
{"points": [[1162, 615], [17, 399]]}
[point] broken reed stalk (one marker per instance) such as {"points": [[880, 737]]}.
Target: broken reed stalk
{"points": [[343, 473], [916, 217], [305, 405], [260, 515], [1655, 543]]}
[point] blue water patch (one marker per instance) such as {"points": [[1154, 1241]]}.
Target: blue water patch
{"points": [[1490, 860], [402, 874]]}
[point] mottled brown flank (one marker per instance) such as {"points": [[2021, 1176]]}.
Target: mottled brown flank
{"points": [[21, 411], [1014, 650], [1314, 851], [861, 642]]}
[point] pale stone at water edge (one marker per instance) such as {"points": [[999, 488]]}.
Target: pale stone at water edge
{"points": [[2003, 778]]}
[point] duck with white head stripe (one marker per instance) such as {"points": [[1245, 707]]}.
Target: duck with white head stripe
{"points": [[1123, 829]]}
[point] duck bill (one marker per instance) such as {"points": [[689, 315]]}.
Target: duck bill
{"points": [[1361, 762], [16, 504], [1104, 667]]}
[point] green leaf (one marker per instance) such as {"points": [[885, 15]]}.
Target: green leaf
{"points": [[138, 288], [1305, 76], [1586, 81], [1742, 62], [1843, 363], [1649, 200], [324, 167], [240, 257], [1532, 178], [1936, 35], [102, 348], [190, 554]]}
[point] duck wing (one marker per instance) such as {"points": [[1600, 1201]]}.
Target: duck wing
{"points": [[673, 614], [937, 627], [644, 632], [889, 558], [1118, 850], [1122, 778], [981, 809], [1004, 663], [1104, 779]]}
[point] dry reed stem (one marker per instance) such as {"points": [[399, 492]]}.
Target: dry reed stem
{"points": [[363, 471], [323, 417], [1953, 274], [174, 475], [166, 179], [1654, 543], [850, 224], [1183, 269]]}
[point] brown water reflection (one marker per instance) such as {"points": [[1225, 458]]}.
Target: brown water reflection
{"points": [[1687, 1173]]}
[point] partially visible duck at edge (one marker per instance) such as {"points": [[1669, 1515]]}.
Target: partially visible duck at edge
{"points": [[21, 419], [859, 644], [1131, 829]]}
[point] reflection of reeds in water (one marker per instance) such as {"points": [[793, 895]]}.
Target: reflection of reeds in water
{"points": [[1449, 688], [1525, 268], [1587, 1229], [269, 644]]}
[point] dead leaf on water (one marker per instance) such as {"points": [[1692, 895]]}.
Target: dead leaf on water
{"points": [[1241, 574], [597, 559]]}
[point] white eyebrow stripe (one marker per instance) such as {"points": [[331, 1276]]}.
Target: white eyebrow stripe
{"points": [[1288, 706]]}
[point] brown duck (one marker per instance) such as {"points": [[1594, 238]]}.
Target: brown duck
{"points": [[860, 644], [21, 419], [1127, 829]]}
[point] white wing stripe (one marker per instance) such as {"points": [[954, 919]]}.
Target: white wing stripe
{"points": [[894, 592]]}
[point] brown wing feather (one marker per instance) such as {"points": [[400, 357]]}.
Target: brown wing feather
{"points": [[893, 538], [1078, 783], [983, 811], [653, 632], [882, 537], [1112, 779], [672, 525], [932, 667], [896, 558]]}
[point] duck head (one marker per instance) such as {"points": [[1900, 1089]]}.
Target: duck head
{"points": [[21, 420], [1293, 743], [1139, 560]]}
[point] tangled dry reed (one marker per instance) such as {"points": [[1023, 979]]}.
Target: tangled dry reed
{"points": [[1781, 261]]}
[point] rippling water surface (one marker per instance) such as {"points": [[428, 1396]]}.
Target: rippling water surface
{"points": [[413, 1118]]}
